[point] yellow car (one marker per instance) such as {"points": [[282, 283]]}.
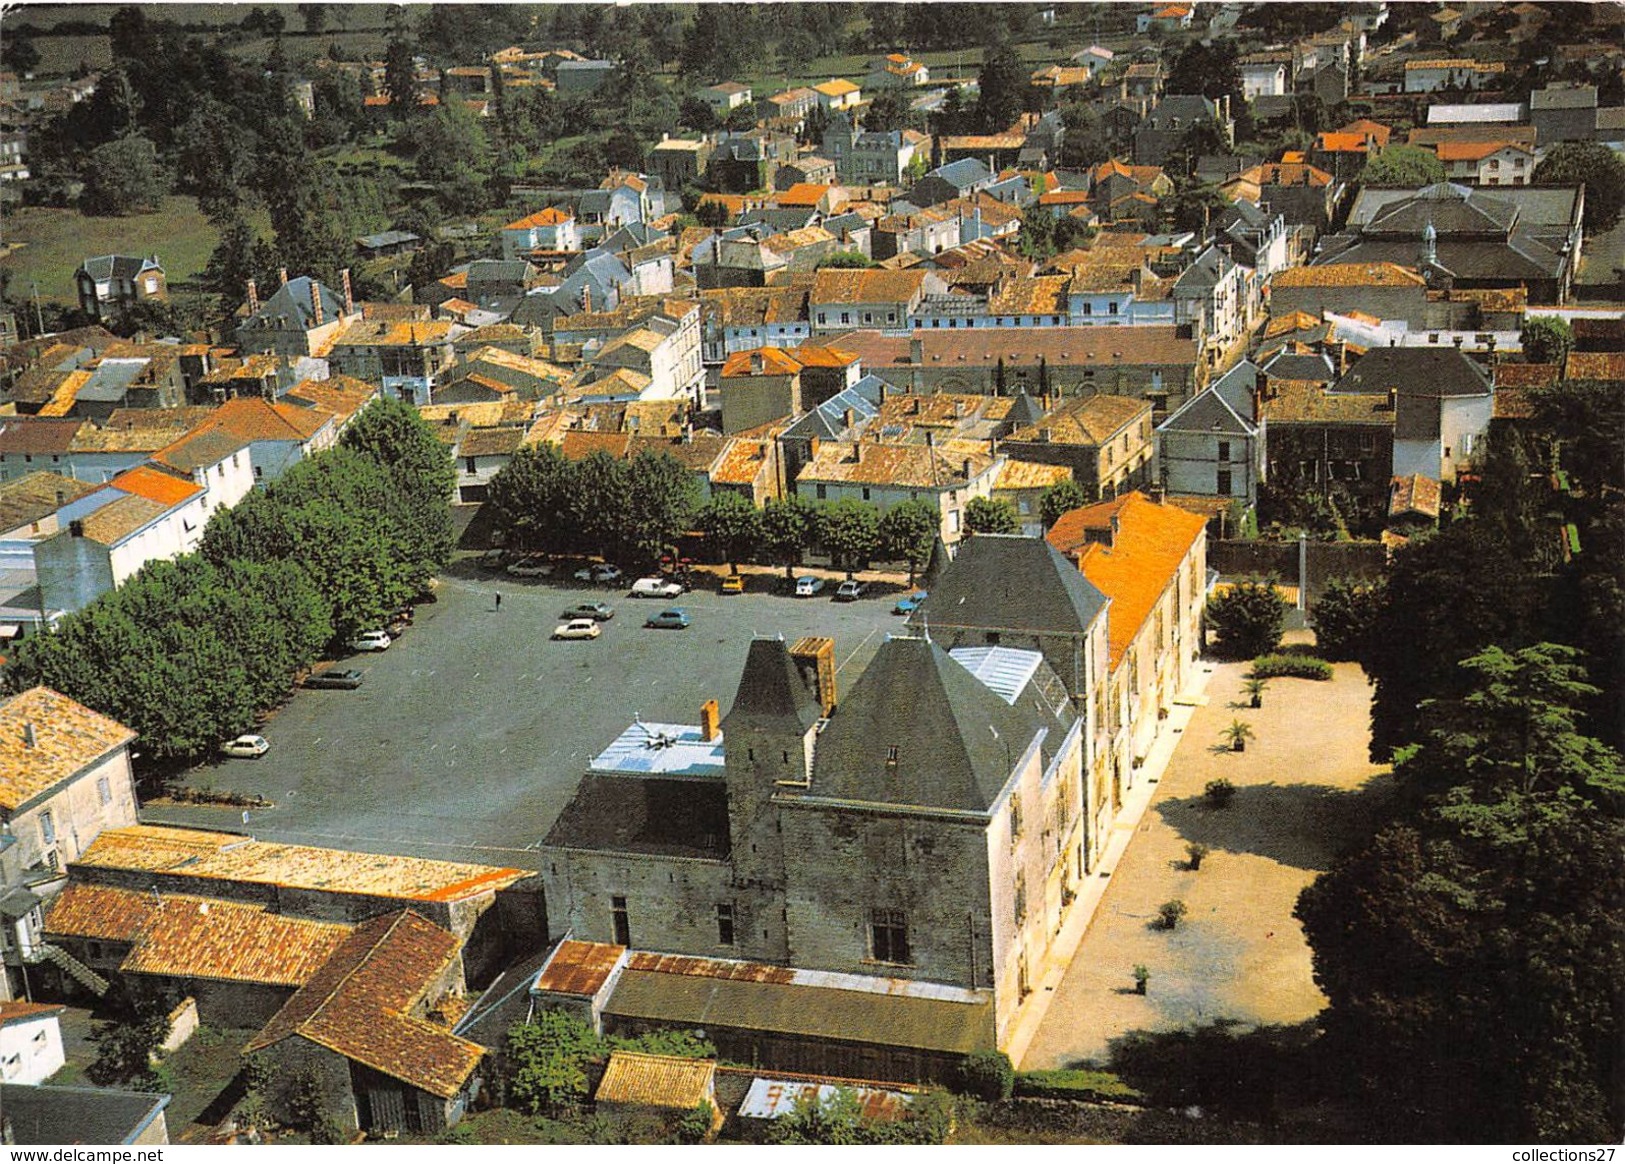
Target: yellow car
{"points": [[733, 584]]}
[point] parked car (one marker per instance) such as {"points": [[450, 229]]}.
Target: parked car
{"points": [[669, 619], [656, 587], [849, 591], [808, 585], [345, 680], [577, 628], [599, 572], [246, 747], [373, 640], [910, 604], [597, 611], [733, 584], [531, 568]]}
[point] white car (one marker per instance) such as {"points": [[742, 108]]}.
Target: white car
{"points": [[246, 747], [808, 585], [656, 587], [531, 568], [373, 640], [599, 572], [577, 628]]}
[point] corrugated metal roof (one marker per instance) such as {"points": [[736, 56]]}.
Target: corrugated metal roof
{"points": [[768, 1099], [578, 968], [1002, 670], [661, 749]]}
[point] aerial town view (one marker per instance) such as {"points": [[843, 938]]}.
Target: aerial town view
{"points": [[813, 573]]}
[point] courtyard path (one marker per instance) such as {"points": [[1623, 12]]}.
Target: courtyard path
{"points": [[1304, 788]]}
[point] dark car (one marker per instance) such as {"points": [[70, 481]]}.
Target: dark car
{"points": [[597, 611], [347, 680], [672, 619]]}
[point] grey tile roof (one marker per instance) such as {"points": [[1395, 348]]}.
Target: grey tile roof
{"points": [[1419, 372], [1208, 412], [772, 693], [105, 267], [955, 741], [1004, 582], [289, 307], [77, 1115], [642, 814]]}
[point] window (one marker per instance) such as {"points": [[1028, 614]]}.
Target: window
{"points": [[725, 923], [823, 492], [1223, 489], [866, 493], [622, 923], [468, 463], [888, 936], [846, 317], [104, 789], [1015, 816], [47, 827], [258, 472], [1021, 899], [1224, 450], [1088, 308]]}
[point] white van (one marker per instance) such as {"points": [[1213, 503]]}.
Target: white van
{"points": [[656, 587]]}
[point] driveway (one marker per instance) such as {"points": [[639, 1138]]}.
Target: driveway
{"points": [[1304, 790], [469, 734]]}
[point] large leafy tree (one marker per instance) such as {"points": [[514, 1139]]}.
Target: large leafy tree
{"points": [[907, 531], [421, 475], [1546, 339], [1403, 165], [1472, 949], [1599, 168], [849, 530], [1344, 616], [121, 177], [984, 515], [454, 154], [1002, 87], [1061, 498], [787, 528], [732, 524], [1247, 619]]}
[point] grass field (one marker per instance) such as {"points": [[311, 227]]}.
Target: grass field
{"points": [[54, 243]]}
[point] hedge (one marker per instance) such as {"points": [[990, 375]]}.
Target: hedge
{"points": [[1290, 667], [1092, 1086]]}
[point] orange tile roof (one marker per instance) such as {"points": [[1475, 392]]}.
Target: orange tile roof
{"points": [[101, 912], [1473, 151], [1526, 376], [1146, 554], [1341, 143], [1086, 420], [841, 286], [662, 1081], [837, 87], [803, 194], [360, 1003], [68, 737], [820, 356], [900, 466], [768, 361], [195, 937], [552, 216], [156, 485], [578, 445], [196, 853], [741, 462], [1349, 275], [253, 418], [1596, 366], [17, 1012], [1365, 125]]}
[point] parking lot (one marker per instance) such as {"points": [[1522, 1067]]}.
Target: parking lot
{"points": [[468, 735]]}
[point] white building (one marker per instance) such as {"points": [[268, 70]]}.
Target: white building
{"points": [[30, 1042]]}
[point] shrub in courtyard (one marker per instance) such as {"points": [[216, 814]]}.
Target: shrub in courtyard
{"points": [[1289, 667], [1247, 620], [1169, 913], [1219, 792], [1195, 851], [988, 1075]]}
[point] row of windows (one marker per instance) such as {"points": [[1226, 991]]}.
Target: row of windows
{"points": [[888, 929]]}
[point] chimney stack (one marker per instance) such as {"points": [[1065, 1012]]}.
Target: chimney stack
{"points": [[710, 721], [253, 298], [916, 350], [966, 467], [316, 301], [349, 295], [30, 739], [282, 274]]}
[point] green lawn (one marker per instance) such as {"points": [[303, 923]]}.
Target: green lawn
{"points": [[54, 243]]}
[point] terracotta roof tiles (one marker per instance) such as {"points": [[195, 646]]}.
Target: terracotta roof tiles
{"points": [[46, 738]]}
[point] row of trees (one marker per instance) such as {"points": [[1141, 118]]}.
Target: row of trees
{"points": [[632, 510], [189, 651], [1470, 946]]}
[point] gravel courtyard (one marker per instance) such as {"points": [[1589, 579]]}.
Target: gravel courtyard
{"points": [[1304, 787]]}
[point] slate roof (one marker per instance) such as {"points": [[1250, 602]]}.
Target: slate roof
{"points": [[1019, 584], [1208, 412], [918, 729], [772, 694], [78, 1115], [288, 308], [652, 815], [359, 1004], [1434, 372], [67, 738], [105, 267]]}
